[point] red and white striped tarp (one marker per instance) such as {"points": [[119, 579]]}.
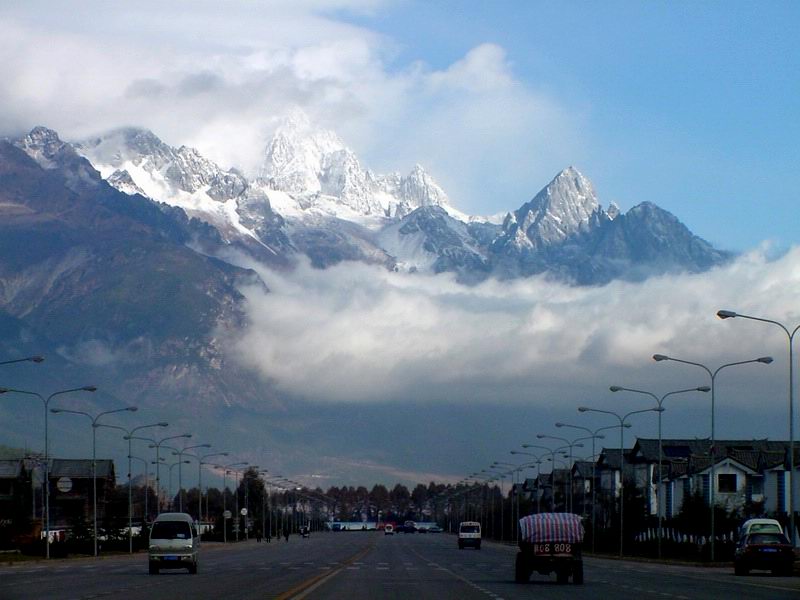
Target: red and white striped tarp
{"points": [[551, 527]]}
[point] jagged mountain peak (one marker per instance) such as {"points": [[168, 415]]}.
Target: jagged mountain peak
{"points": [[308, 162], [564, 208], [44, 146]]}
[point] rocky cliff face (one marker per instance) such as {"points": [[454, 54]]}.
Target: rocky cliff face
{"points": [[111, 282]]}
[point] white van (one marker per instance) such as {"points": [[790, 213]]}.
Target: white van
{"points": [[469, 534], [174, 543]]}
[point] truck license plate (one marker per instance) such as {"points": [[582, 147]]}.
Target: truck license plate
{"points": [[556, 548]]}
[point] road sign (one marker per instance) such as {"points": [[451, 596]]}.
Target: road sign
{"points": [[243, 512], [226, 514], [64, 484]]}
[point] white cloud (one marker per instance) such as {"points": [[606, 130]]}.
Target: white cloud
{"points": [[355, 333], [216, 76]]}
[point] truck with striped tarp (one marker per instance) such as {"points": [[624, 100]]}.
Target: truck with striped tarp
{"points": [[550, 542]]}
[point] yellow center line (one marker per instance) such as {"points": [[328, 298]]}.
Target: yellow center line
{"points": [[297, 592]]}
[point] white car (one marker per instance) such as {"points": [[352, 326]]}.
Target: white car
{"points": [[469, 534], [388, 530]]}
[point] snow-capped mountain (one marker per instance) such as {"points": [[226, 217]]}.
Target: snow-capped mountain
{"points": [[318, 172], [313, 197], [566, 207], [136, 161]]}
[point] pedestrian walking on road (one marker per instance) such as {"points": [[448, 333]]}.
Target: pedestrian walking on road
{"points": [[286, 535]]}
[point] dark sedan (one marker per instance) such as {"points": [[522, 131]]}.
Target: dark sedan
{"points": [[766, 551]]}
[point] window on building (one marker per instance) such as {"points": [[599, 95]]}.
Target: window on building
{"points": [[726, 483]]}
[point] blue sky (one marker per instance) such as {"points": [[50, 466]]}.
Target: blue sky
{"points": [[694, 106]]}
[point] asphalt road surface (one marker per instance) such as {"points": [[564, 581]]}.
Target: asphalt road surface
{"points": [[369, 565]]}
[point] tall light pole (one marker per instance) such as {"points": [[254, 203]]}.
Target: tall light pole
{"points": [[95, 425], [178, 464], [553, 474], [224, 488], [622, 420], [660, 403], [570, 444], [713, 375], [146, 483], [157, 445], [34, 359], [499, 465], [179, 454], [46, 403], [128, 434], [538, 463], [729, 314], [595, 435], [200, 462]]}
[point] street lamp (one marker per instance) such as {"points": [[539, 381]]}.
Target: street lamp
{"points": [[659, 403], [729, 314], [622, 420], [200, 463], [224, 488], [95, 425], [713, 375], [146, 483], [594, 435], [46, 402], [538, 463], [128, 434], [552, 474], [571, 444], [157, 446], [179, 454], [35, 359], [178, 464]]}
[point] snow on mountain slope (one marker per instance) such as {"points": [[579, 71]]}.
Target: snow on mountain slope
{"points": [[137, 161], [320, 173], [565, 207]]}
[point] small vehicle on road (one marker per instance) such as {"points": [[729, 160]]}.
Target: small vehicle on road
{"points": [[767, 551], [174, 543], [550, 542], [469, 534], [305, 531], [760, 526], [388, 529]]}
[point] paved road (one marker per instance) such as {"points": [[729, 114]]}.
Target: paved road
{"points": [[359, 566]]}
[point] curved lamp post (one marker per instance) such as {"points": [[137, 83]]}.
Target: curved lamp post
{"points": [[157, 445], [178, 464], [95, 425], [622, 419], [659, 403], [224, 488], [146, 483], [538, 463], [200, 462], [713, 375], [35, 359], [127, 436], [729, 314], [46, 403], [594, 435], [179, 454], [553, 459], [570, 444]]}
